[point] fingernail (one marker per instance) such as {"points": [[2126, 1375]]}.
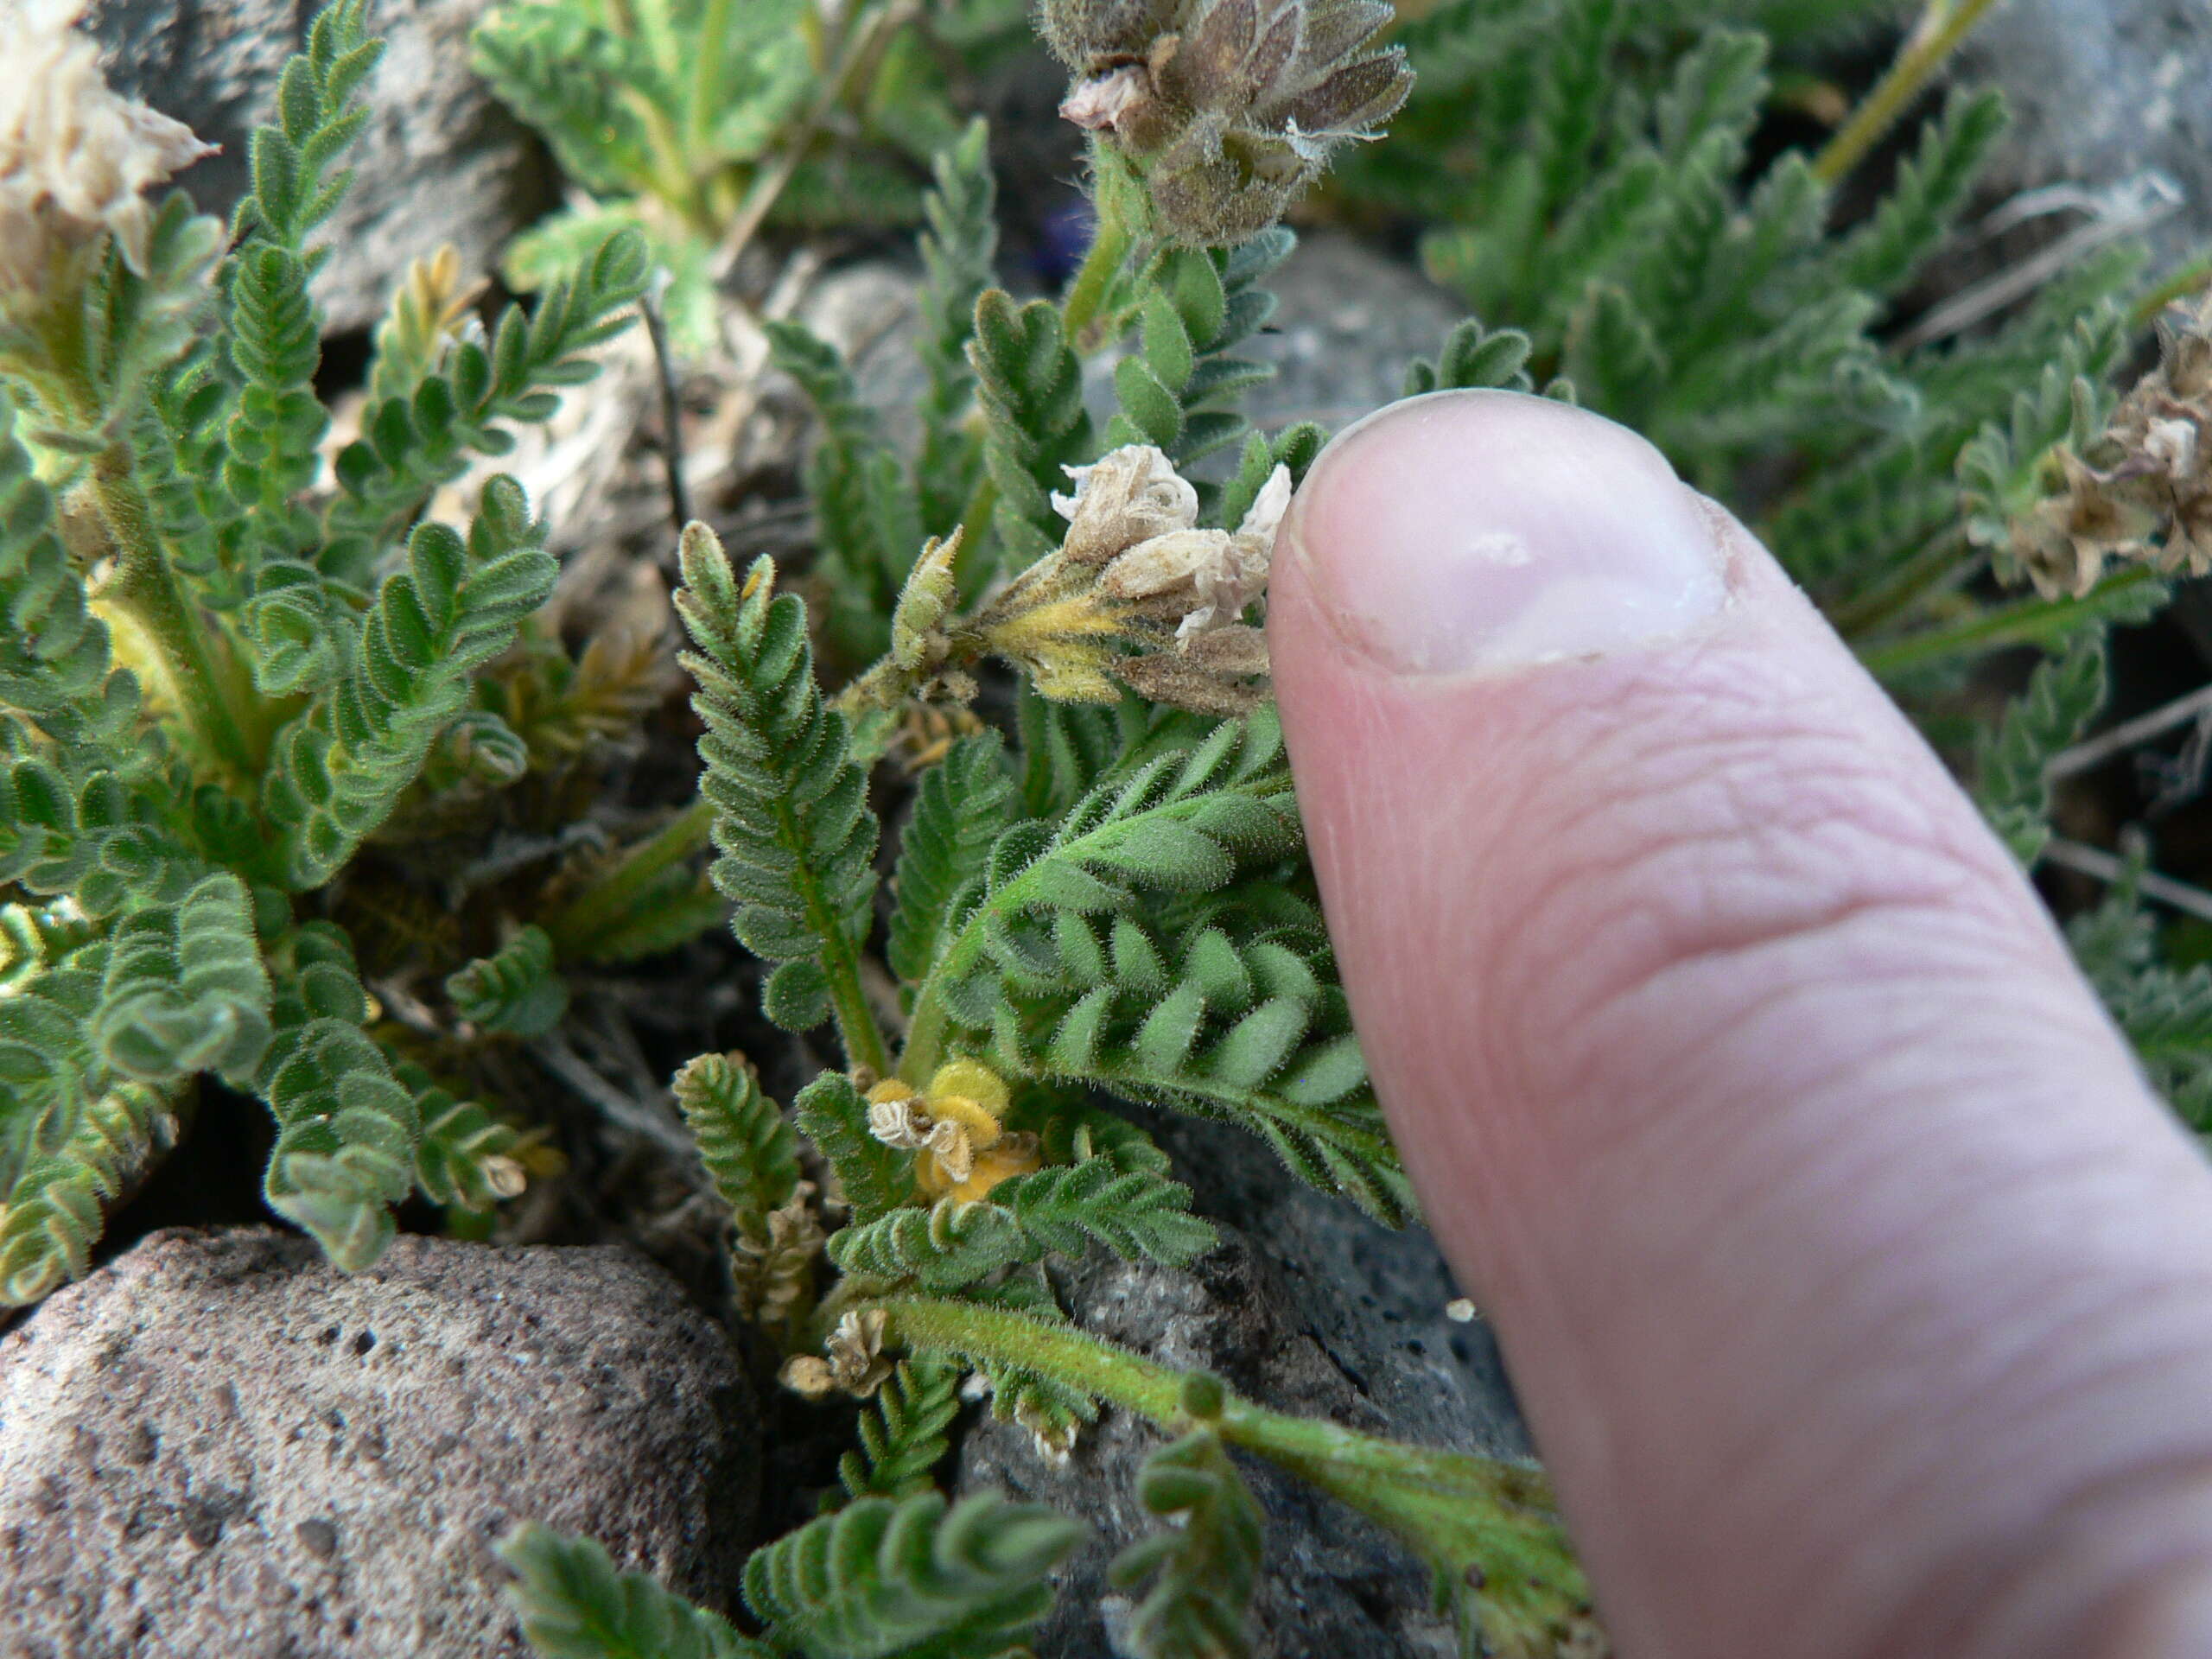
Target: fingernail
{"points": [[1489, 529]]}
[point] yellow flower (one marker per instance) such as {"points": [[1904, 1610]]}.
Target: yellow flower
{"points": [[958, 1125]]}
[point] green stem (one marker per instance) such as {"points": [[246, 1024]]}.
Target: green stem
{"points": [[1110, 244], [841, 963], [1941, 29], [713, 42], [2183, 284], [1459, 1511], [2026, 622], [609, 899], [143, 589], [859, 48], [1908, 582]]}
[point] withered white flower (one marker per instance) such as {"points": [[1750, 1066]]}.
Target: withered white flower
{"points": [[1138, 596], [1226, 588], [1223, 572], [75, 158], [896, 1118], [1124, 498], [854, 1351]]}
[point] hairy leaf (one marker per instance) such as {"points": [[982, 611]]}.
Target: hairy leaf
{"points": [[747, 1144], [910, 1578], [1205, 1566], [574, 1605]]}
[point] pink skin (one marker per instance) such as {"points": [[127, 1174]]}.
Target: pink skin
{"points": [[1858, 1292]]}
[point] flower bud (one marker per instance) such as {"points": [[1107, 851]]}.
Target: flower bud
{"points": [[1227, 108]]}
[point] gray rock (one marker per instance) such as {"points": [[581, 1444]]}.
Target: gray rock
{"points": [[1308, 1309], [2104, 94], [1348, 321], [438, 160], [219, 1445]]}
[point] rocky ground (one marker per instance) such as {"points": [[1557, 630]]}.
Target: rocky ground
{"points": [[217, 1445]]}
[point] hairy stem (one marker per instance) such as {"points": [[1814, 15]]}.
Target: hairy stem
{"points": [[1933, 566], [711, 41], [861, 49], [1111, 201], [142, 591], [1941, 31], [611, 898], [2186, 283], [841, 962], [1456, 1509]]}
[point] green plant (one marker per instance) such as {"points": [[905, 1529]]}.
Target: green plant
{"points": [[694, 123], [1108, 897], [227, 670], [1113, 902]]}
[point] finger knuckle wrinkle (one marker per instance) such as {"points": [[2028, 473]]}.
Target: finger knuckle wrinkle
{"points": [[1765, 855]]}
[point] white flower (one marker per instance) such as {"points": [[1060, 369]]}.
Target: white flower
{"points": [[1127, 496], [1222, 574], [1227, 587], [896, 1118], [75, 158]]}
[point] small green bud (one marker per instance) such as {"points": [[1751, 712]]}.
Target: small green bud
{"points": [[1204, 1397]]}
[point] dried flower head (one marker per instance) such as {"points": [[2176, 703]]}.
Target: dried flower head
{"points": [[1227, 108], [1138, 596], [75, 158], [1129, 496], [772, 1271], [2143, 489], [851, 1361]]}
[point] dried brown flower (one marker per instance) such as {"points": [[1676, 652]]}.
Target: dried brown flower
{"points": [[773, 1272], [1227, 108], [2143, 489], [851, 1361]]}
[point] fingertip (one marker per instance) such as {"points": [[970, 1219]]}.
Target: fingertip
{"points": [[1488, 531]]}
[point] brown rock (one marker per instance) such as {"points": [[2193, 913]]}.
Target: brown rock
{"points": [[218, 1444]]}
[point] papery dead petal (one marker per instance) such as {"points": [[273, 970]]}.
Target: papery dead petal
{"points": [[949, 1145], [899, 1121], [1166, 563], [1264, 518], [1127, 496], [2173, 445], [75, 158], [1107, 101]]}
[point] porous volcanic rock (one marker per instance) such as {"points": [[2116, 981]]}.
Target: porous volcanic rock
{"points": [[1306, 1307], [218, 1444]]}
